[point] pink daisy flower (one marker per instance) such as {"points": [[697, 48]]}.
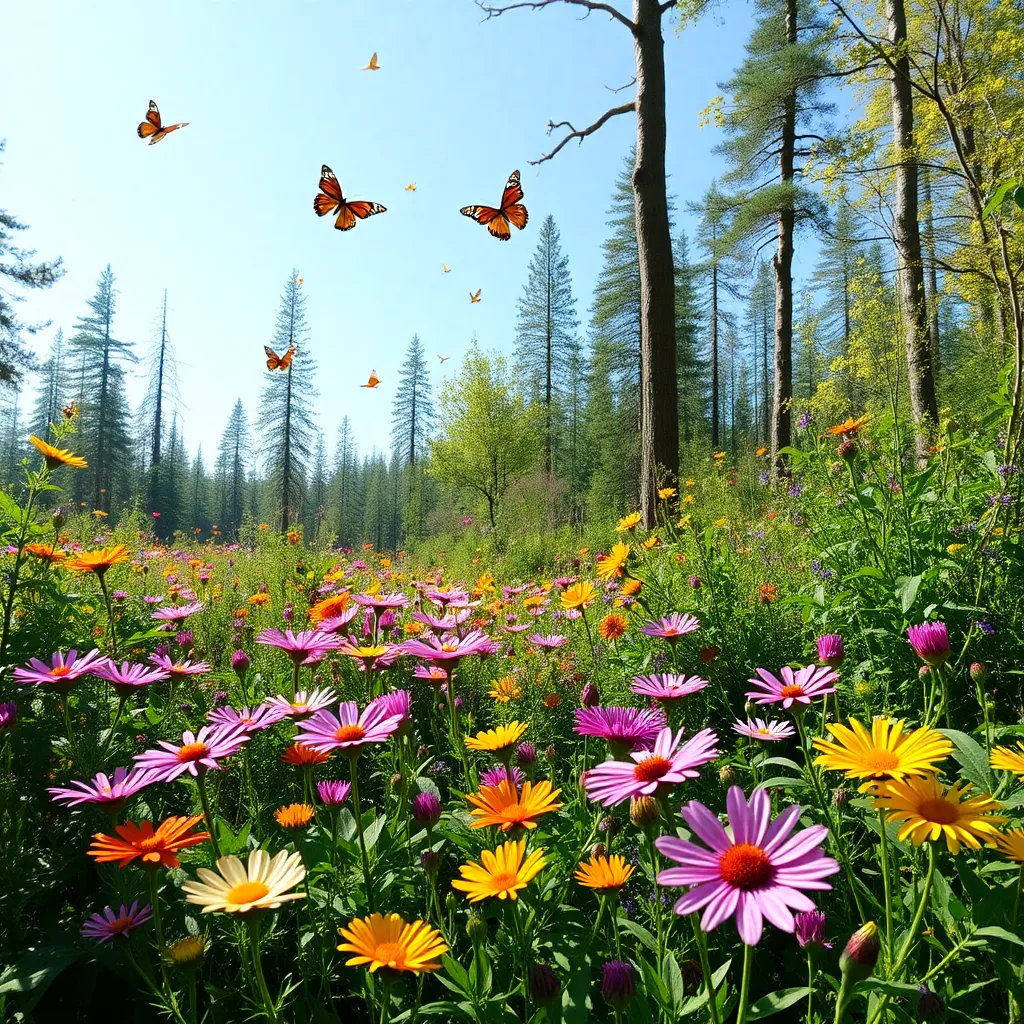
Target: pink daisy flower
{"points": [[755, 870], [108, 925], [102, 790], [371, 659], [337, 623], [445, 623], [800, 687], [177, 612], [622, 728], [198, 752], [348, 731], [499, 773], [667, 687], [396, 704], [431, 673], [181, 669], [672, 627], [448, 649], [549, 642], [670, 762], [250, 719], [767, 732], [126, 678], [305, 704], [379, 602], [298, 646], [444, 598], [63, 670]]}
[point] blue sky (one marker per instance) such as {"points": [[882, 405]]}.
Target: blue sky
{"points": [[219, 212]]}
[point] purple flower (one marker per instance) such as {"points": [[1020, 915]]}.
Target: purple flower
{"points": [[108, 925], [126, 678], [426, 809], [8, 715], [449, 649], [985, 627], [767, 732], [548, 642], [298, 646], [198, 752], [695, 582], [62, 672], [348, 731], [804, 421], [622, 728], [672, 627], [381, 602], [186, 638], [799, 687], [177, 612], [526, 754], [250, 720], [333, 792], [497, 775], [589, 696], [810, 929], [101, 790], [120, 595], [618, 983], [755, 872], [178, 670], [830, 650], [396, 704], [667, 688], [930, 641]]}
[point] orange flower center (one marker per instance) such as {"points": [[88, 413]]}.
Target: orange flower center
{"points": [[793, 690], [390, 953], [941, 812], [651, 768], [247, 892], [122, 924], [501, 883], [881, 762], [746, 867], [179, 668], [449, 648], [154, 842], [348, 733], [193, 751], [60, 670]]}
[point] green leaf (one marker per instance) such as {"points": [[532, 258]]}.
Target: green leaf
{"points": [[775, 1002], [694, 1003], [972, 757], [372, 834], [576, 1005], [458, 975], [1000, 195], [995, 932], [674, 978], [36, 970], [640, 932], [906, 591]]}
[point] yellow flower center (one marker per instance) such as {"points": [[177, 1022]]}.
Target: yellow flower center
{"points": [[390, 953], [793, 690], [60, 670], [348, 733], [192, 751], [449, 648], [501, 883], [651, 768], [881, 762], [746, 867], [247, 892], [941, 812]]}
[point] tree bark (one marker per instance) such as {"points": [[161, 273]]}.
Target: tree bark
{"points": [[931, 277], [714, 354], [907, 233], [659, 414]]}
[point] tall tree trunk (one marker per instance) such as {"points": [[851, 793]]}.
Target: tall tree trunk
{"points": [[154, 458], [782, 393], [659, 434], [766, 396], [907, 232], [714, 355], [547, 370], [286, 482], [931, 277]]}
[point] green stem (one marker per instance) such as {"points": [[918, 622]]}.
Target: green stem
{"points": [[295, 679], [113, 724], [261, 982], [207, 813], [13, 586], [172, 1005], [748, 960], [652, 852], [357, 807], [886, 884], [110, 613], [810, 986], [68, 725], [705, 967]]}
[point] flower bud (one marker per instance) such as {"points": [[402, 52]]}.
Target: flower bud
{"points": [[240, 663], [396, 782], [426, 809], [608, 825], [451, 903], [979, 673], [830, 650], [57, 520], [644, 811], [598, 850], [750, 708], [589, 697], [526, 754], [861, 953], [930, 1005], [695, 582], [476, 927], [551, 754], [544, 984], [848, 450], [618, 984], [840, 797], [430, 861], [810, 929], [728, 775]]}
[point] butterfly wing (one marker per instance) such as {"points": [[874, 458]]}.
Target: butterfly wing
{"points": [[273, 359], [362, 209], [511, 208], [151, 126], [329, 198], [286, 360]]}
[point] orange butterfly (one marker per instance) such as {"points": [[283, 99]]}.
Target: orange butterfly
{"points": [[475, 298], [411, 187], [329, 199], [373, 382], [444, 359], [152, 126], [373, 65], [276, 362], [511, 211], [70, 411]]}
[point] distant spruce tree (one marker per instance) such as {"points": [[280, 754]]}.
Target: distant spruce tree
{"points": [[760, 321], [546, 331], [611, 439], [233, 454], [12, 435], [161, 392], [197, 513], [691, 375], [50, 399], [841, 250], [412, 412], [286, 409], [104, 416], [317, 504], [343, 483], [17, 268]]}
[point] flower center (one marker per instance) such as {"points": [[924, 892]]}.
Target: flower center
{"points": [[61, 670], [746, 867], [247, 892], [193, 751], [390, 953], [651, 768], [941, 812], [180, 668], [881, 762], [501, 883], [449, 648], [793, 690], [764, 732], [122, 924], [155, 842], [349, 733]]}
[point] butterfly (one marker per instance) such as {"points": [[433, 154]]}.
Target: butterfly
{"points": [[475, 298], [411, 188], [444, 359], [276, 362], [70, 411], [511, 211], [152, 126], [445, 270], [329, 199], [373, 382], [298, 280], [373, 65]]}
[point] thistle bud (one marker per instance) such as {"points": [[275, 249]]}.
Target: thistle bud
{"points": [[727, 775], [830, 650], [848, 450], [551, 754], [840, 797], [526, 754], [426, 809], [979, 673], [608, 825], [930, 1005], [589, 697], [618, 984], [598, 850], [396, 782], [695, 582], [476, 927], [644, 811], [544, 984], [861, 953], [57, 520]]}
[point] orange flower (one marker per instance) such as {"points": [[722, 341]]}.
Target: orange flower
{"points": [[612, 626], [259, 599], [850, 428], [57, 456], [506, 808], [154, 847], [329, 607], [768, 592], [303, 756], [630, 587], [294, 816], [98, 561], [551, 701], [45, 552]]}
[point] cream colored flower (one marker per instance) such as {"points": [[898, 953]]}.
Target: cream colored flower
{"points": [[265, 886]]}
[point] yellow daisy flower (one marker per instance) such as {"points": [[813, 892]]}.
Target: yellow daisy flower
{"points": [[57, 456], [506, 808], [605, 874], [497, 741], [1011, 844], [628, 522], [501, 872], [505, 689], [579, 595], [613, 563], [391, 943], [1009, 760]]}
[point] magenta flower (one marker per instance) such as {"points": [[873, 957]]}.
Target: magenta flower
{"points": [[396, 704], [498, 774], [380, 602], [767, 732], [672, 627], [431, 673], [305, 704], [830, 650], [649, 771], [177, 612], [930, 641], [108, 925], [180, 669], [444, 598], [62, 672], [452, 619], [8, 715], [126, 678], [263, 716], [333, 792], [371, 658], [810, 929], [107, 793], [667, 687], [448, 649], [800, 687], [622, 728], [197, 753], [336, 623], [298, 646], [754, 871], [348, 731], [549, 642]]}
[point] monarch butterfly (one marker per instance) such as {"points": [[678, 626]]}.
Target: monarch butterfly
{"points": [[475, 298], [276, 362], [329, 199], [153, 130], [511, 211], [373, 382], [444, 359], [373, 65]]}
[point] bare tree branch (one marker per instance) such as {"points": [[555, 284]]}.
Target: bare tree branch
{"points": [[632, 81], [536, 5], [667, 5], [581, 134]]}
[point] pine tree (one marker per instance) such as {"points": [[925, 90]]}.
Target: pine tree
{"points": [[286, 411], [760, 317], [12, 435], [104, 423], [412, 413], [611, 439], [198, 506], [316, 506], [345, 466], [690, 373], [232, 461], [841, 250], [162, 390], [546, 330], [52, 384]]}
